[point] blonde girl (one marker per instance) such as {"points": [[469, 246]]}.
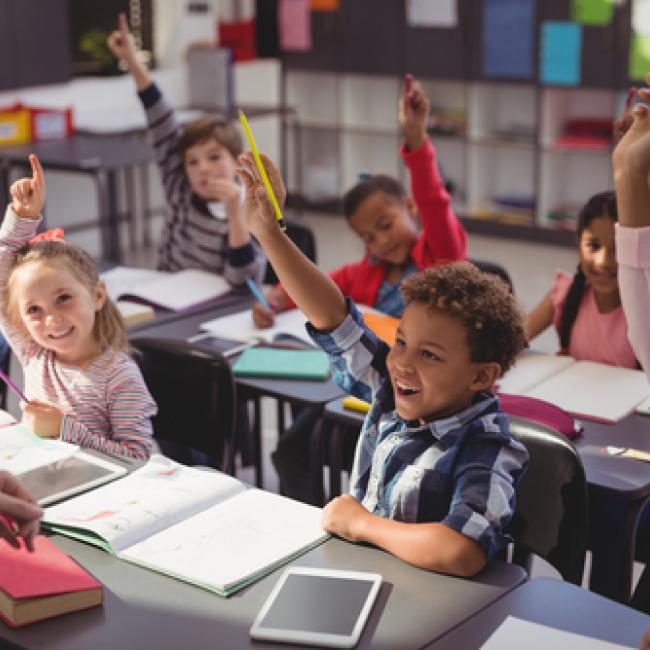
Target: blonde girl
{"points": [[80, 383]]}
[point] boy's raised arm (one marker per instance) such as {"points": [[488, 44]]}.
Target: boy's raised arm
{"points": [[122, 45], [312, 290]]}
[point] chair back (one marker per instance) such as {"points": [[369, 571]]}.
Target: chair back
{"points": [[195, 393], [494, 268], [303, 237], [5, 362], [550, 517]]}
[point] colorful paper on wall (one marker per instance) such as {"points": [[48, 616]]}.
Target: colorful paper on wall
{"points": [[560, 58], [592, 12], [639, 57], [507, 38], [324, 5], [641, 17], [294, 25], [428, 13]]}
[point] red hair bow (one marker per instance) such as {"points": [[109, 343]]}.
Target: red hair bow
{"points": [[52, 233]]}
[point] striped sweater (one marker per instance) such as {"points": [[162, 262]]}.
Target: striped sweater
{"points": [[107, 405], [192, 237]]}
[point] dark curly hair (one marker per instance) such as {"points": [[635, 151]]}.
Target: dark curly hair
{"points": [[366, 187], [599, 205], [480, 301]]}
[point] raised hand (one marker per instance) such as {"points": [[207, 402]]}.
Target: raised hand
{"points": [[21, 513], [258, 213], [633, 149], [28, 194], [121, 43], [413, 113]]}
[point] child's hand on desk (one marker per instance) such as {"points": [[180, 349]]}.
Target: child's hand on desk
{"points": [[28, 194], [413, 113], [43, 419], [122, 44], [21, 513], [346, 517], [278, 301], [259, 216]]}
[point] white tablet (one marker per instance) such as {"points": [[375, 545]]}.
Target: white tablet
{"points": [[323, 607], [70, 476]]}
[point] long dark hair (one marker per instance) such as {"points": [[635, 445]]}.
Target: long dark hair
{"points": [[599, 205]]}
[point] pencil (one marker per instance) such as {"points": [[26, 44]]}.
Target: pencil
{"points": [[260, 167], [259, 296], [13, 386]]}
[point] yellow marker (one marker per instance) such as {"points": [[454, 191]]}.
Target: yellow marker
{"points": [[355, 404], [260, 168]]}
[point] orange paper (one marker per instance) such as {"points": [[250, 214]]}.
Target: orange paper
{"points": [[385, 327], [324, 5]]}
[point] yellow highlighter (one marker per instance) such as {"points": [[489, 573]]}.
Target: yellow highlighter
{"points": [[355, 404], [260, 168]]}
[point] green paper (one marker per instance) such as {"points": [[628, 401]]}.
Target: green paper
{"points": [[639, 57], [280, 363], [592, 12]]}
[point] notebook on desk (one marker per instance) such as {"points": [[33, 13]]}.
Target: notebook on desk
{"points": [[594, 391], [174, 291], [278, 363], [202, 527]]}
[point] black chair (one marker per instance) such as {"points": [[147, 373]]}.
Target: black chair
{"points": [[195, 393], [5, 362], [550, 518], [494, 268], [303, 237]]}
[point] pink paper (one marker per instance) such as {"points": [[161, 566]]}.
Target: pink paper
{"points": [[294, 25]]}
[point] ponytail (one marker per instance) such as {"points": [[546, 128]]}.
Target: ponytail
{"points": [[571, 306]]}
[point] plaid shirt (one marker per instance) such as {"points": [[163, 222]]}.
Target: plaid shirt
{"points": [[460, 471]]}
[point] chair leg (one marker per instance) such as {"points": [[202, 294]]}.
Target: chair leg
{"points": [[319, 436]]}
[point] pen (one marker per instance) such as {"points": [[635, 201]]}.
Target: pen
{"points": [[259, 296], [13, 386], [260, 168]]}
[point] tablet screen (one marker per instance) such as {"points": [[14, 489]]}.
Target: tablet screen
{"points": [[310, 605], [70, 476]]}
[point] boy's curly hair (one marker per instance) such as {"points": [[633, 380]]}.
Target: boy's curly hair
{"points": [[218, 128], [480, 301]]}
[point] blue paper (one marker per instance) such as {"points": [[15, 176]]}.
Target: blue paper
{"points": [[507, 38], [561, 53]]}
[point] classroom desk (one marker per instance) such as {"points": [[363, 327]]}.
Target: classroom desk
{"points": [[609, 477], [556, 604], [100, 157], [313, 394], [145, 609]]}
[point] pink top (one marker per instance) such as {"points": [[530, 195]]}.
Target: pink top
{"points": [[107, 405], [633, 255], [594, 336]]}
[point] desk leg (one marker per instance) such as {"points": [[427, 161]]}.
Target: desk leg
{"points": [[108, 215], [131, 209], [257, 438], [612, 533]]}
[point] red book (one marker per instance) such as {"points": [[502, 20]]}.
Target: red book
{"points": [[42, 584]]}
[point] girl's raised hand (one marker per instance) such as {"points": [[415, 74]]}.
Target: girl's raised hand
{"points": [[28, 194], [121, 42], [259, 216], [413, 113], [632, 153]]}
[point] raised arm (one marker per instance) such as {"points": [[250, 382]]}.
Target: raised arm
{"points": [[444, 236], [312, 290], [539, 318], [631, 162], [122, 45]]}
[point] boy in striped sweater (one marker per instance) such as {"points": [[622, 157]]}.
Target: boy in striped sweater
{"points": [[204, 229]]}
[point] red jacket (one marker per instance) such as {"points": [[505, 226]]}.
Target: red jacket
{"points": [[443, 238]]}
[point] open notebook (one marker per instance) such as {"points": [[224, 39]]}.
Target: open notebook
{"points": [[240, 327], [173, 291], [202, 527], [594, 391]]}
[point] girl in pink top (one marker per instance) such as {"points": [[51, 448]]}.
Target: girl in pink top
{"points": [[70, 339], [586, 307]]}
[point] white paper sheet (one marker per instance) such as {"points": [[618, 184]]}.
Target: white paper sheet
{"points": [[431, 13]]}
